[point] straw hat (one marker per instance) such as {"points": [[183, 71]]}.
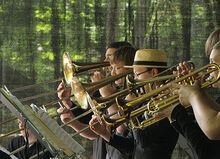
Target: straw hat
{"points": [[149, 58]]}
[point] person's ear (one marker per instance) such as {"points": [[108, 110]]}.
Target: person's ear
{"points": [[154, 71]]}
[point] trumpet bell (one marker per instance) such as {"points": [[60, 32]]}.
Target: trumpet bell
{"points": [[71, 69], [67, 68]]}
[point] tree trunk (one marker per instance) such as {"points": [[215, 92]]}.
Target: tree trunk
{"points": [[55, 38], [113, 12], [154, 42], [217, 13], [100, 27], [87, 35], [63, 39], [210, 27], [125, 21], [29, 38], [186, 11], [141, 23], [130, 20]]}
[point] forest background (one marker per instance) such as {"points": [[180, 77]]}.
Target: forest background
{"points": [[34, 34]]}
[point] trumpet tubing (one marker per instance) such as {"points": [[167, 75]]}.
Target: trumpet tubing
{"points": [[164, 75], [159, 99], [167, 98]]}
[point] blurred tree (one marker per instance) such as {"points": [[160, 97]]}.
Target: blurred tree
{"points": [[186, 11], [112, 21]]}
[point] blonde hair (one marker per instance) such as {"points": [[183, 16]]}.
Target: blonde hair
{"points": [[217, 45], [213, 38]]}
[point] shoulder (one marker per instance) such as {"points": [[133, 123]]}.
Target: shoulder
{"points": [[17, 139], [16, 142]]}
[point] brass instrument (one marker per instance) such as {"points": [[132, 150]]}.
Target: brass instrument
{"points": [[159, 99], [166, 75], [71, 69], [79, 90], [100, 105]]}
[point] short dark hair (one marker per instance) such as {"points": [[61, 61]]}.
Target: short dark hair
{"points": [[118, 44], [124, 54]]}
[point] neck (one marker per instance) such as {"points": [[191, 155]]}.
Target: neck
{"points": [[31, 138]]}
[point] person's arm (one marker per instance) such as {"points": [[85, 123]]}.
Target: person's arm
{"points": [[76, 125], [194, 135], [206, 109], [207, 113], [124, 144]]}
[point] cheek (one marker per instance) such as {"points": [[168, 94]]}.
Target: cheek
{"points": [[217, 84], [144, 76], [119, 81], [21, 126]]}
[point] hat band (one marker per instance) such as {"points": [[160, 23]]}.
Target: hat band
{"points": [[150, 63]]}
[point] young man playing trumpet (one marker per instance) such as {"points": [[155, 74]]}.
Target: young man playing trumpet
{"points": [[155, 141], [206, 110]]}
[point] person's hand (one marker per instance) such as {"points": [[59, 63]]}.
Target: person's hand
{"points": [[165, 112], [107, 90], [97, 76], [65, 117], [184, 69], [97, 128], [62, 93], [186, 92]]}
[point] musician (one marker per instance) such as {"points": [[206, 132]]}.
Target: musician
{"points": [[99, 147], [204, 107], [122, 56], [33, 149], [156, 141]]}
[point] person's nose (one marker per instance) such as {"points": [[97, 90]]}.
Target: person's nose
{"points": [[113, 73], [106, 59]]}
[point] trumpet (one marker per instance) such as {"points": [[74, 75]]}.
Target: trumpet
{"points": [[159, 99], [164, 75], [71, 69]]}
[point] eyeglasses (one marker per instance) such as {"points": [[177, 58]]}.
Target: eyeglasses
{"points": [[136, 75]]}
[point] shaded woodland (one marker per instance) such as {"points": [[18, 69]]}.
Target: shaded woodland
{"points": [[34, 34]]}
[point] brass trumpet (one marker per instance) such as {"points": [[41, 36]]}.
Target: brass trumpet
{"points": [[164, 75], [159, 99], [71, 69]]}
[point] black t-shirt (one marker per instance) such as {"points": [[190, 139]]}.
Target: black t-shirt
{"points": [[188, 127], [4, 155], [19, 141], [154, 142]]}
